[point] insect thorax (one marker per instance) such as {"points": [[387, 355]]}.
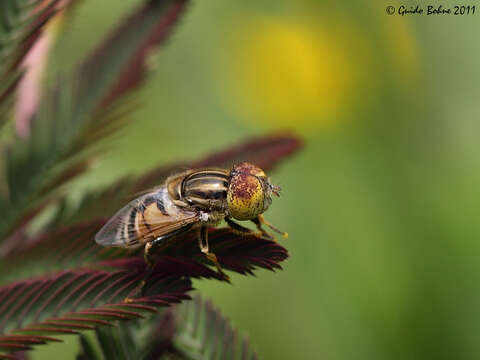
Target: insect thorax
{"points": [[203, 189]]}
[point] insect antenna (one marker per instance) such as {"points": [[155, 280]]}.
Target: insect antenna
{"points": [[276, 190]]}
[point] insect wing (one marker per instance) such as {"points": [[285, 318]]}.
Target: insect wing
{"points": [[146, 217], [114, 233]]}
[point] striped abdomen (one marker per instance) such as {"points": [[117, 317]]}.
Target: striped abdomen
{"points": [[205, 189]]}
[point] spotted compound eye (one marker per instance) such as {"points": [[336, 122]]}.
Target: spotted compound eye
{"points": [[246, 197]]}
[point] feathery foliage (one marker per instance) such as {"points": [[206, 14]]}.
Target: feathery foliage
{"points": [[191, 330], [57, 280], [67, 123], [72, 300], [76, 227], [21, 22], [201, 331]]}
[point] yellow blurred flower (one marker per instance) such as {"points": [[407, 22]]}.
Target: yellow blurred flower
{"points": [[287, 74], [308, 73]]}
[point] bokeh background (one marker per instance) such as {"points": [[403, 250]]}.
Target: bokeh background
{"points": [[382, 203]]}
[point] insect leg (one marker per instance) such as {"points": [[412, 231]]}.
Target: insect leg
{"points": [[149, 258], [203, 244], [260, 220], [148, 254], [238, 228], [246, 231], [154, 244]]}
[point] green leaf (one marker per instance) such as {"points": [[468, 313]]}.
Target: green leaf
{"points": [[70, 112], [88, 351], [202, 332], [21, 22], [191, 330]]}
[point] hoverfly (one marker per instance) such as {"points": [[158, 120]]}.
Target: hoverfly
{"points": [[194, 199]]}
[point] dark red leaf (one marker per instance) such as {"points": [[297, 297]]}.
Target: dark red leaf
{"points": [[135, 70], [61, 324], [45, 305], [46, 330], [74, 246], [27, 339], [14, 347], [15, 356]]}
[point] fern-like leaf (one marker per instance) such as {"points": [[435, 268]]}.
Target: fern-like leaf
{"points": [[72, 284], [77, 299], [67, 246], [34, 311], [201, 331], [74, 246], [69, 111], [21, 22], [191, 330]]}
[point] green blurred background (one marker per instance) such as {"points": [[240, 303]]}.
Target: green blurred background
{"points": [[381, 205]]}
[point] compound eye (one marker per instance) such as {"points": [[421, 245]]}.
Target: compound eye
{"points": [[249, 169], [245, 196]]}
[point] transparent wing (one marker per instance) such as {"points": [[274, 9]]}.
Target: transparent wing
{"points": [[144, 218]]}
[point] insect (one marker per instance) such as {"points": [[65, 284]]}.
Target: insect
{"points": [[193, 200]]}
